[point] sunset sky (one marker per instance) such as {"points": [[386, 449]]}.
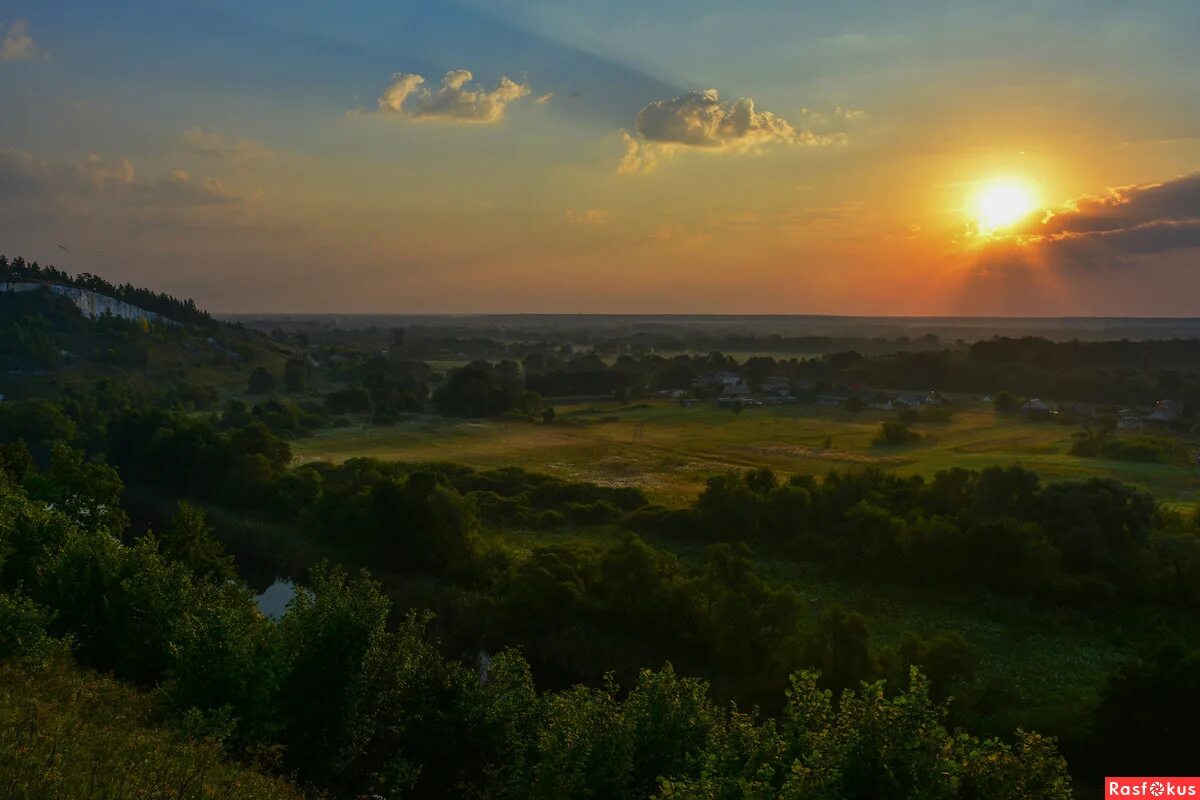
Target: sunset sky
{"points": [[1016, 158]]}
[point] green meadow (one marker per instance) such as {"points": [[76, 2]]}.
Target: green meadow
{"points": [[669, 451]]}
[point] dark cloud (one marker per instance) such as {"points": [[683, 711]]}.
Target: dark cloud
{"points": [[1129, 221]]}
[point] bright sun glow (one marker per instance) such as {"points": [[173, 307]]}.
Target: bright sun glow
{"points": [[1000, 203]]}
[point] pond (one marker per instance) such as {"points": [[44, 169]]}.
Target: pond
{"points": [[274, 599]]}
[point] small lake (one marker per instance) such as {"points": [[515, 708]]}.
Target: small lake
{"points": [[274, 599]]}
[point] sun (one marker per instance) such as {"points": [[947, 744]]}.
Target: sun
{"points": [[1001, 202]]}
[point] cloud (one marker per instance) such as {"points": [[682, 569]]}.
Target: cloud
{"points": [[1126, 222], [34, 189], [212, 144], [638, 157], [24, 176], [590, 216], [542, 99], [699, 120], [17, 44], [103, 174], [178, 189], [454, 101]]}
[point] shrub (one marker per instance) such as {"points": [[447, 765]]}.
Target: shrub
{"points": [[892, 433]]}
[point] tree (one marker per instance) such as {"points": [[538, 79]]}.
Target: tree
{"points": [[838, 647], [189, 540], [295, 375], [87, 492], [1004, 401], [1149, 718], [478, 390], [15, 460], [350, 400], [261, 381], [894, 432]]}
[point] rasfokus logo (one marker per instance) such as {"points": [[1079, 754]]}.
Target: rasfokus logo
{"points": [[1151, 787]]}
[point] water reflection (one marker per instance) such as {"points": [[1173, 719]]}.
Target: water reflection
{"points": [[274, 599]]}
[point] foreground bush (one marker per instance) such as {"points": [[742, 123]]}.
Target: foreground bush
{"points": [[66, 733]]}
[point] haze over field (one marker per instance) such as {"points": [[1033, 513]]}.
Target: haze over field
{"points": [[915, 158]]}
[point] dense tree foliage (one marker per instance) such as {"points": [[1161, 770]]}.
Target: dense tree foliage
{"points": [[481, 390], [356, 703]]}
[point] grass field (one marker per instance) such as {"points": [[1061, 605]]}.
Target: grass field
{"points": [[669, 451]]}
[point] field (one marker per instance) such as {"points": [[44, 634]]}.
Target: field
{"points": [[669, 451]]}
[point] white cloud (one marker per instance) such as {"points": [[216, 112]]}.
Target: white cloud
{"points": [[103, 174], [17, 44], [700, 120], [542, 99], [454, 101], [639, 157], [179, 189], [213, 145]]}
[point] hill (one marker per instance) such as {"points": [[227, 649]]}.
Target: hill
{"points": [[58, 332]]}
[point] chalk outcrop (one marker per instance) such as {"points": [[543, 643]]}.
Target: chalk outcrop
{"points": [[90, 304]]}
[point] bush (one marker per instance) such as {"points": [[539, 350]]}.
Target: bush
{"points": [[65, 733], [351, 400], [261, 381], [598, 512], [652, 519], [1004, 401], [893, 433]]}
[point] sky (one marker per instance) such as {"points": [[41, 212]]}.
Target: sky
{"points": [[892, 157]]}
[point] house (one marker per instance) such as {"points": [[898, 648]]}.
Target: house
{"points": [[1130, 420], [887, 402], [832, 400], [1078, 411], [717, 378], [917, 399], [737, 402], [1035, 408], [735, 390], [777, 385], [1165, 412]]}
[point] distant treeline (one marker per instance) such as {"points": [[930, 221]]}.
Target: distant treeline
{"points": [[160, 303], [1113, 373]]}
